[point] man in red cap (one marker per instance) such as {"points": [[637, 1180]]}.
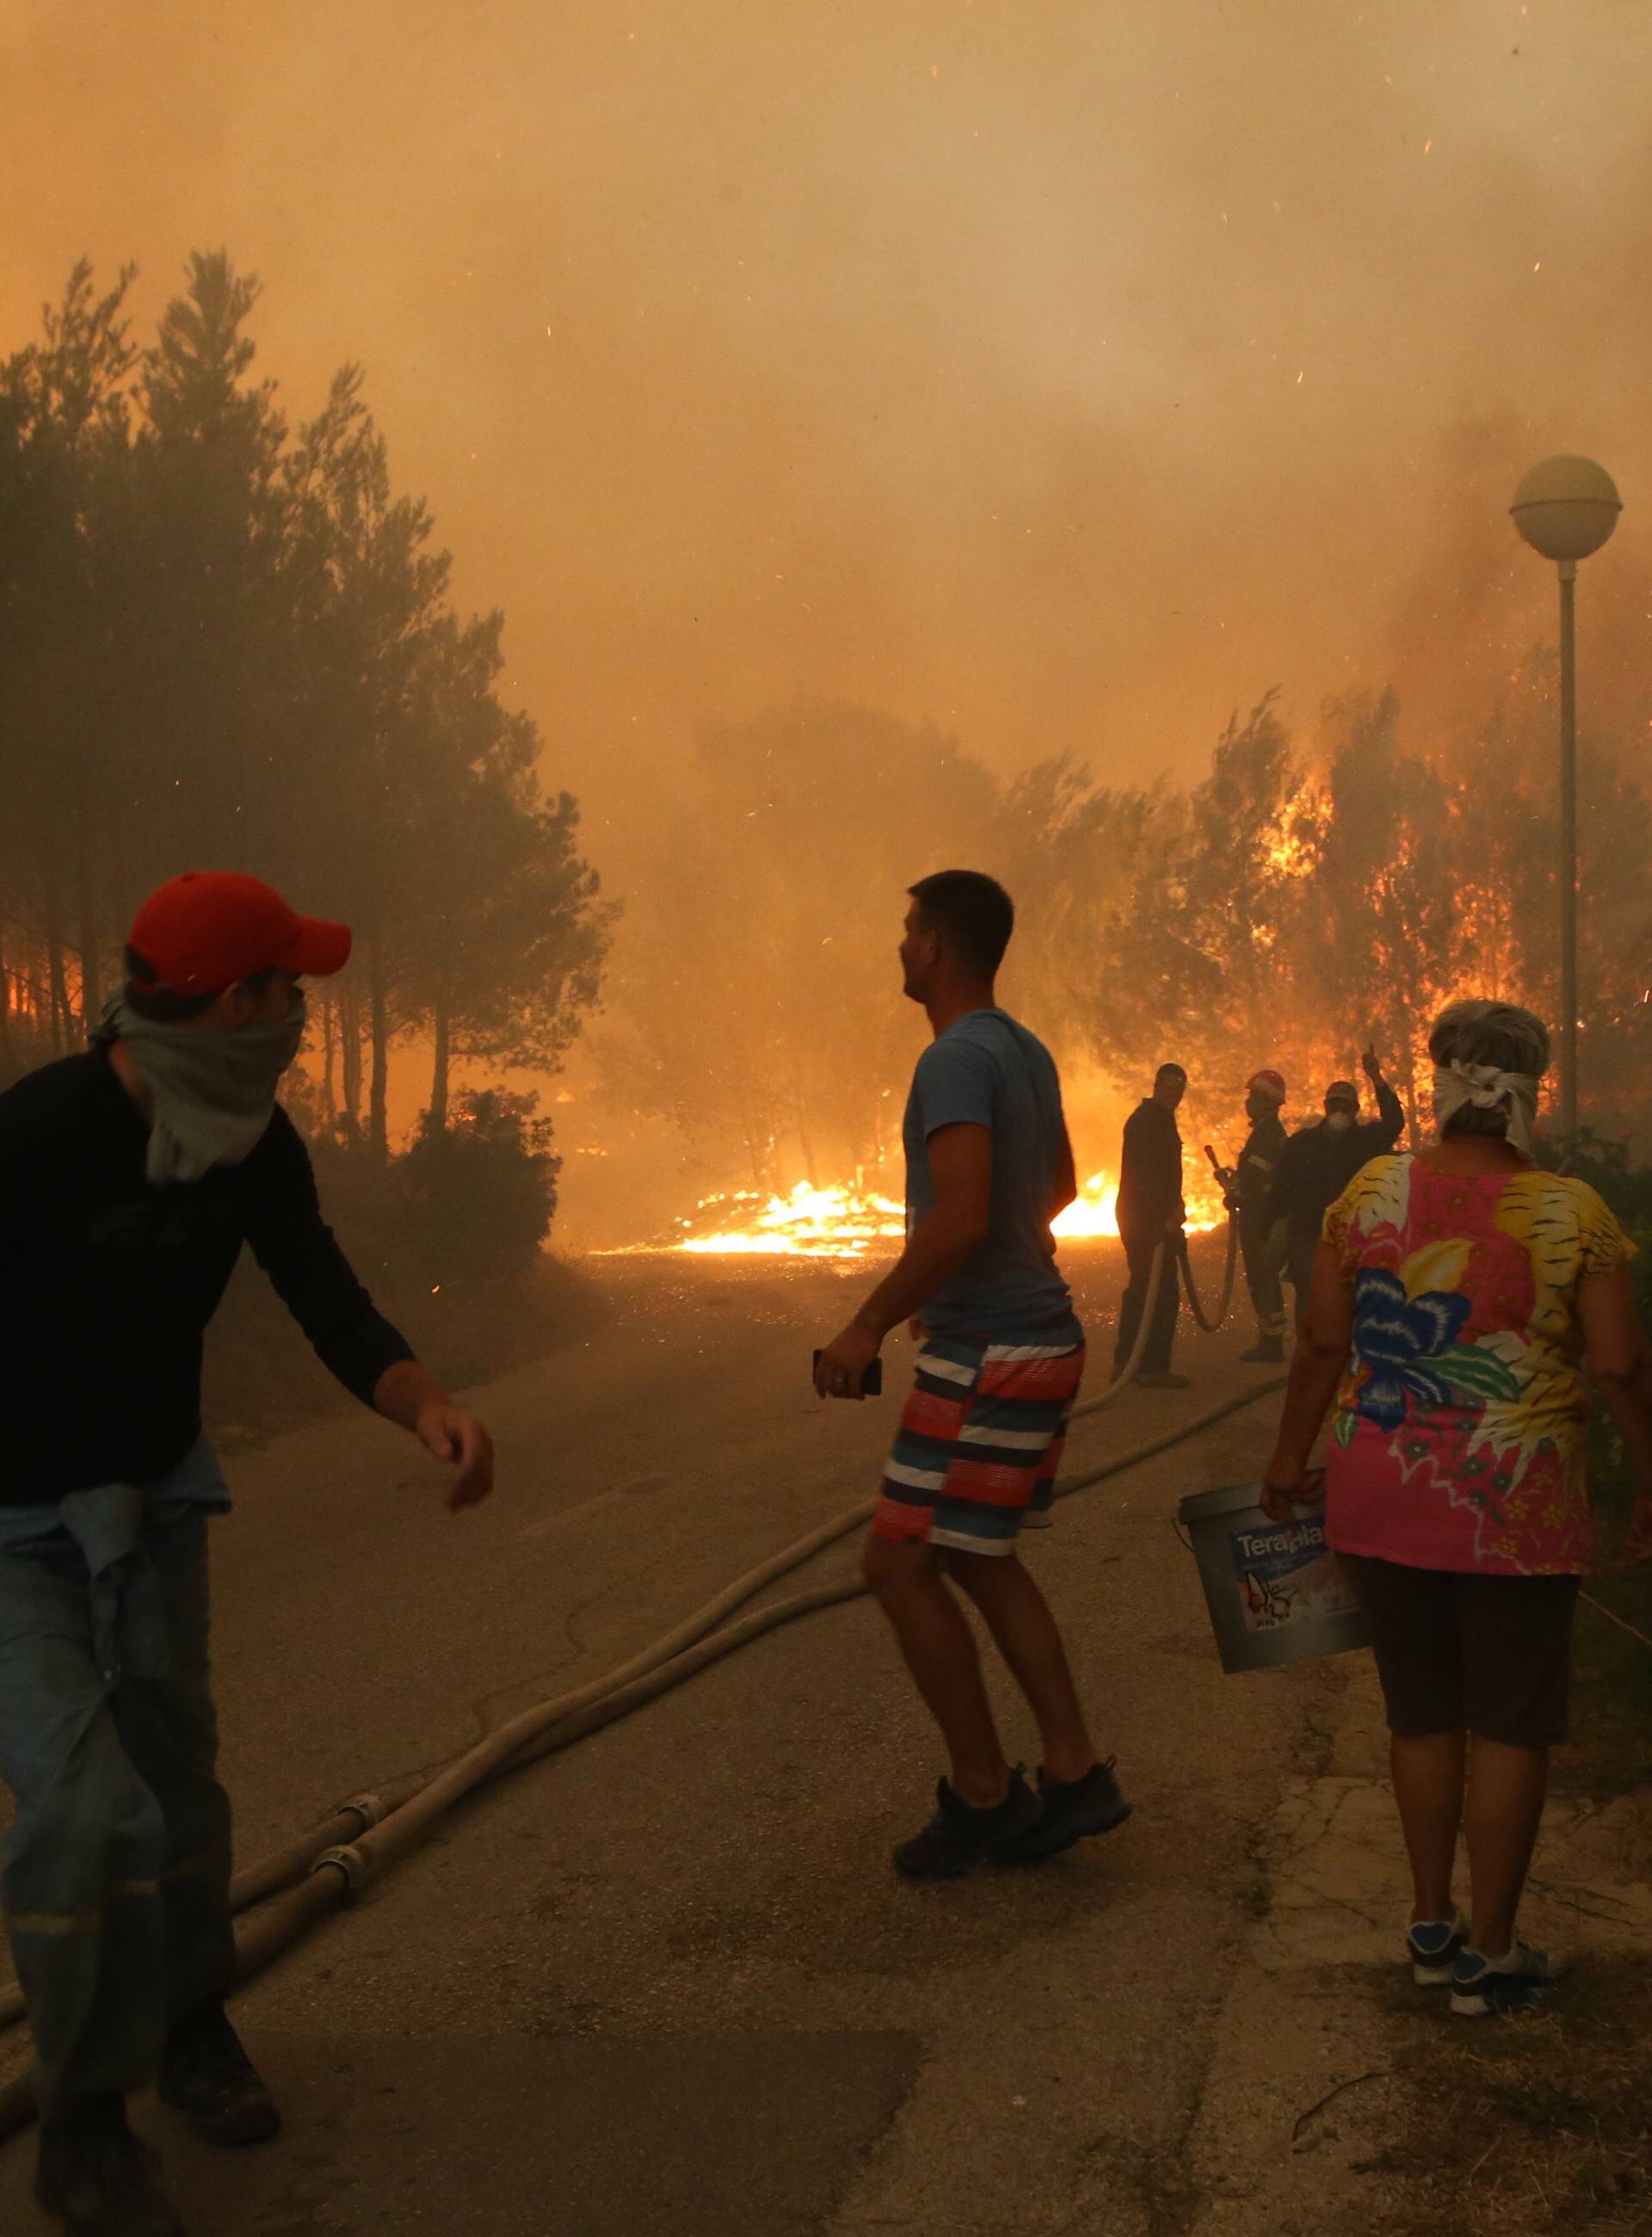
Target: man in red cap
{"points": [[1247, 1197], [129, 1178]]}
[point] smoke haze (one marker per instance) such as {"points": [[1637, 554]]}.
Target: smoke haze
{"points": [[1064, 374]]}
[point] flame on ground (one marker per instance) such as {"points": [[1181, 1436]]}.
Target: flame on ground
{"points": [[841, 1222], [844, 1222], [810, 1223], [1093, 1211]]}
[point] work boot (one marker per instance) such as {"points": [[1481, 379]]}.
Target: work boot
{"points": [[958, 1836], [95, 2177], [1072, 1809], [205, 2074], [1267, 1351]]}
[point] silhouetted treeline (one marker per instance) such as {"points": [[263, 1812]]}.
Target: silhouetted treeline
{"points": [[1296, 902], [227, 643]]}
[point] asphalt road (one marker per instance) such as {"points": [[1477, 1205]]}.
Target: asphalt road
{"points": [[668, 1981]]}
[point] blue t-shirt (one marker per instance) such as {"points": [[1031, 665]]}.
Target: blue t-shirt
{"points": [[988, 1071]]}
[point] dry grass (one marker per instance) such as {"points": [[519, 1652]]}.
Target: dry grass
{"points": [[1528, 2127], [1532, 2127]]}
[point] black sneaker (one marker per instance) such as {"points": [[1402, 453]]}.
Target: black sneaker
{"points": [[95, 2177], [957, 1836], [1070, 1811], [205, 2074], [1270, 1352]]}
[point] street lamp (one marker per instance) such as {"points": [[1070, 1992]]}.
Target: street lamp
{"points": [[1565, 509]]}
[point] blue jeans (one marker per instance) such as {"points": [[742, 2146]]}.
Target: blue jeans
{"points": [[116, 1881]]}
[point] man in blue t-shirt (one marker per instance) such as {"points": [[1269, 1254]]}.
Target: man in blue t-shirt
{"points": [[989, 1166]]}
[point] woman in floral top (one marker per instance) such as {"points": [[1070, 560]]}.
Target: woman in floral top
{"points": [[1456, 1298]]}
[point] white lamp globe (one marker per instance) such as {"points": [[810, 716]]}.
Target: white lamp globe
{"points": [[1567, 507]]}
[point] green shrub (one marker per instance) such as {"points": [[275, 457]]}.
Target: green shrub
{"points": [[479, 1194], [466, 1202]]}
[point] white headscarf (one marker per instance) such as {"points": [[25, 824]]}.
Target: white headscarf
{"points": [[1514, 1094]]}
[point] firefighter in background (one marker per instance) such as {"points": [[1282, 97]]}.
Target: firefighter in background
{"points": [[1317, 1165], [1247, 1188], [1151, 1213]]}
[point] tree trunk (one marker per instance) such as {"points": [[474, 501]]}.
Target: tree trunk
{"points": [[5, 1004], [62, 1012], [350, 1059], [91, 965], [329, 1049], [378, 1086], [439, 1064], [805, 1142], [439, 1067]]}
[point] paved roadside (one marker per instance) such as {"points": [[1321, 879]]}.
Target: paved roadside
{"points": [[667, 1981]]}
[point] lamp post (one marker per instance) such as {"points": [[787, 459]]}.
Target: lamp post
{"points": [[1565, 509]]}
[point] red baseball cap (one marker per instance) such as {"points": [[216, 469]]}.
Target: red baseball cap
{"points": [[211, 928], [1269, 1082]]}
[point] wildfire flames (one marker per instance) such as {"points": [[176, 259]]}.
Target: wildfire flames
{"points": [[810, 1223], [851, 1222], [1093, 1211]]}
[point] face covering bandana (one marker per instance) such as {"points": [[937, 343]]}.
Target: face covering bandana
{"points": [[213, 1087], [1514, 1094]]}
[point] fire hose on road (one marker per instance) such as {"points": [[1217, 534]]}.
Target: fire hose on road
{"points": [[1180, 1268], [351, 1847], [1230, 1276]]}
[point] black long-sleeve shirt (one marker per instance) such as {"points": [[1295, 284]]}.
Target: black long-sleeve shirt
{"points": [[107, 1283], [1317, 1165], [1150, 1171]]}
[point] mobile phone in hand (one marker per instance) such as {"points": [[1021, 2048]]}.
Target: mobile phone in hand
{"points": [[871, 1378]]}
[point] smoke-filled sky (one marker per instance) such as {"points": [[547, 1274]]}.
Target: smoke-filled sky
{"points": [[1060, 370]]}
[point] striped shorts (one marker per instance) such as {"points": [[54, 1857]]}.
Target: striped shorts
{"points": [[974, 1458]]}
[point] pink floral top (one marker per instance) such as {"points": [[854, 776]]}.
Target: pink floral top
{"points": [[1460, 1437]]}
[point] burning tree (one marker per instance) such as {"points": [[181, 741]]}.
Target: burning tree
{"points": [[1286, 909]]}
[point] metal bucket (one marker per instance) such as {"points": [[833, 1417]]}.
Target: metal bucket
{"points": [[1275, 1590]]}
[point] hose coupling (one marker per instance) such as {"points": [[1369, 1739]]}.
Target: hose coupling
{"points": [[367, 1808], [349, 1860]]}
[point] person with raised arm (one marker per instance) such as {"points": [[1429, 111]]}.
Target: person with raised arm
{"points": [[1317, 1162]]}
